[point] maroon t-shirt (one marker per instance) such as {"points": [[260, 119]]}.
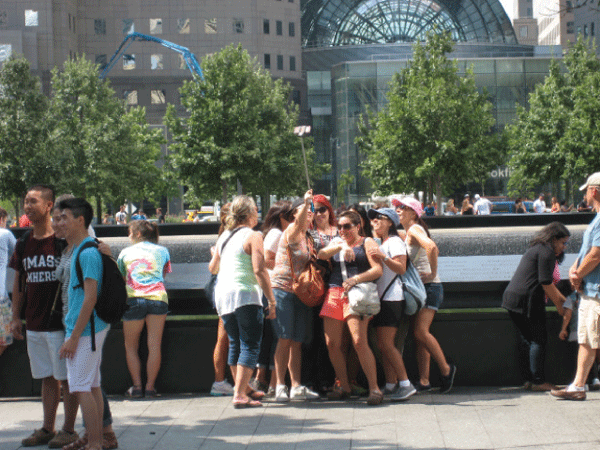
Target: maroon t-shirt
{"points": [[39, 261]]}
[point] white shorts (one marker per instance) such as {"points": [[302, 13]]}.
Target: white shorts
{"points": [[588, 326], [84, 368], [43, 348]]}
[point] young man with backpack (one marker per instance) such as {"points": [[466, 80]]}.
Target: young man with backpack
{"points": [[36, 256], [83, 361]]}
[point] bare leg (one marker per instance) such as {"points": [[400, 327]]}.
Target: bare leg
{"points": [[91, 409], [429, 345], [155, 325], [360, 339], [295, 363], [395, 370], [71, 405], [50, 400], [242, 378], [585, 359], [220, 352], [282, 358], [334, 330], [132, 329]]}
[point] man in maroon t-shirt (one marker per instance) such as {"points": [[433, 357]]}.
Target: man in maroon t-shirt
{"points": [[35, 259]]}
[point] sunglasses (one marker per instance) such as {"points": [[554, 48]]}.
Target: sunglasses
{"points": [[345, 226], [321, 210], [401, 206], [381, 217]]}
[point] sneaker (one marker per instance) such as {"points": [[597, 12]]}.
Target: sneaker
{"points": [[221, 388], [270, 393], [448, 381], [281, 394], [422, 387], [38, 437], [403, 393], [258, 386], [387, 392], [303, 393], [62, 438], [595, 386]]}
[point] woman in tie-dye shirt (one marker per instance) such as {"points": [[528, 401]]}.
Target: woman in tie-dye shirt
{"points": [[144, 265]]}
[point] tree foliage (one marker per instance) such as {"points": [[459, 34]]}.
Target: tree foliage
{"points": [[26, 157], [107, 150], [436, 123], [239, 129], [558, 138]]}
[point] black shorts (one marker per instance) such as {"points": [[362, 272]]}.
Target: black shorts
{"points": [[390, 314]]}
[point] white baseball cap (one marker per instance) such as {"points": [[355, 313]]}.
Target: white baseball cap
{"points": [[593, 180]]}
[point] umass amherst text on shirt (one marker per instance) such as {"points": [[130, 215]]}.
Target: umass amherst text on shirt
{"points": [[39, 262]]}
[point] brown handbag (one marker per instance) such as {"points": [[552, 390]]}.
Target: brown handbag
{"points": [[309, 286]]}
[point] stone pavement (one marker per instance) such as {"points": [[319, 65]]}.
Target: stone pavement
{"points": [[467, 418]]}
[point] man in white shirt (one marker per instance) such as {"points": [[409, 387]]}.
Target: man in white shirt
{"points": [[483, 206], [539, 206]]}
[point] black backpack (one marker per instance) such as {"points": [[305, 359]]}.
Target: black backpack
{"points": [[111, 303]]}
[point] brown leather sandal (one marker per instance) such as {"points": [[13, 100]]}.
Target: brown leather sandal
{"points": [[78, 444]]}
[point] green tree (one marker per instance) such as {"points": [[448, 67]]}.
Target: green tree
{"points": [[556, 140], [434, 126], [26, 157], [239, 129], [109, 151]]}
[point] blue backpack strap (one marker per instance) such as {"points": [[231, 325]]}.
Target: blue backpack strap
{"points": [[79, 272]]}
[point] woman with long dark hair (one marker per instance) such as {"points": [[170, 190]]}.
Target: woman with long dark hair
{"points": [[525, 300]]}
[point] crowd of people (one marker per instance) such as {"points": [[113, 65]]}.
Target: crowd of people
{"points": [[265, 326]]}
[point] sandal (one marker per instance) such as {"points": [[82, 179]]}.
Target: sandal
{"points": [[134, 392], [151, 393], [375, 398], [256, 395], [338, 394], [109, 440], [239, 403], [78, 444]]}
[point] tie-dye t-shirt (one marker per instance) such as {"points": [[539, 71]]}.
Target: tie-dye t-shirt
{"points": [[144, 265]]}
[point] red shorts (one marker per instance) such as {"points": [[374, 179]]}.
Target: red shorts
{"points": [[335, 305]]}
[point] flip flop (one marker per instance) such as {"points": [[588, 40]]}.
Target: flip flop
{"points": [[134, 392], [239, 403]]}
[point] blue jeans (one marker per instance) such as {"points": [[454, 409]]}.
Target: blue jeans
{"points": [[532, 337], [244, 328]]}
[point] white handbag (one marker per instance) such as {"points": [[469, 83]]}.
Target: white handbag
{"points": [[363, 298]]}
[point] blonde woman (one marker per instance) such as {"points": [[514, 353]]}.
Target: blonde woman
{"points": [[240, 264]]}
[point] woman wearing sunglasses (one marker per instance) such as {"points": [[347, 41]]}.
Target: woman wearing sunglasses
{"points": [[392, 255], [336, 312], [423, 254], [324, 228]]}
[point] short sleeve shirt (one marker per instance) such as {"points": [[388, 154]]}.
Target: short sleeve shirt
{"points": [[39, 262], [144, 265], [392, 247], [7, 247], [591, 238], [91, 267]]}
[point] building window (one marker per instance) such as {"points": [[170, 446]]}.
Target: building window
{"points": [[74, 28], [529, 12], [292, 63], [102, 61], [292, 29], [592, 31], [100, 27], [267, 61], [2, 18], [31, 18], [210, 26], [156, 61], [238, 26], [69, 21], [130, 97], [523, 32], [128, 26], [129, 62], [158, 96], [5, 51], [585, 30], [266, 27], [570, 27], [279, 28], [183, 26], [279, 62], [296, 97], [156, 26]]}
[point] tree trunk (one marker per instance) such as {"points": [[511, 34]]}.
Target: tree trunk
{"points": [[265, 203], [16, 205], [438, 194], [223, 192], [99, 209]]}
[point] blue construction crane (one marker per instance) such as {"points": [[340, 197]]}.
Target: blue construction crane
{"points": [[188, 56]]}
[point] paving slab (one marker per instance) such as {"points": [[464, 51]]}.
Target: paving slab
{"points": [[467, 418]]}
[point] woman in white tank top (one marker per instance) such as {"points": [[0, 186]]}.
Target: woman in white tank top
{"points": [[423, 254]]}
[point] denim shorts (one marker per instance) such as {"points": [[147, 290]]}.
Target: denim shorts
{"points": [[139, 308], [293, 318], [435, 295]]}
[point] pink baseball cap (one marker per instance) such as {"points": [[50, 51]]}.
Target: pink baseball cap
{"points": [[413, 204]]}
